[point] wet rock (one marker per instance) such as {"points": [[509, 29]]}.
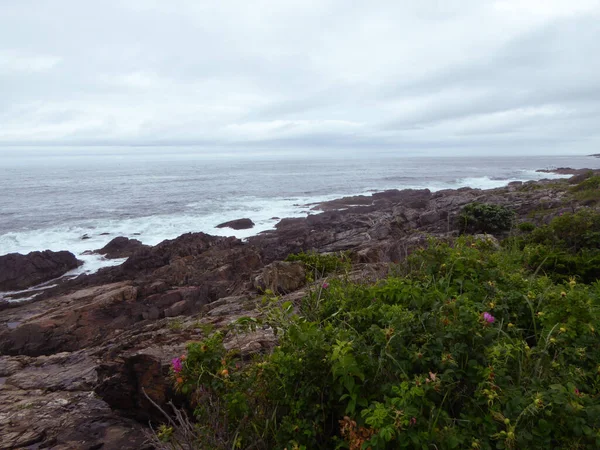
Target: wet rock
{"points": [[238, 224], [22, 271], [120, 247]]}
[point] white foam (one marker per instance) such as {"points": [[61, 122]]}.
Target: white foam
{"points": [[151, 230]]}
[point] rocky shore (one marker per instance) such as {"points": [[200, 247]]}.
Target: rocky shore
{"points": [[82, 365]]}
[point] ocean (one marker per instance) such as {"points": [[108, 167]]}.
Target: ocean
{"points": [[53, 199]]}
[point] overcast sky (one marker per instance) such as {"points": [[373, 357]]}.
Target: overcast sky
{"points": [[497, 75]]}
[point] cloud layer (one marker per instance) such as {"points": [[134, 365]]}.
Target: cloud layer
{"points": [[497, 75]]}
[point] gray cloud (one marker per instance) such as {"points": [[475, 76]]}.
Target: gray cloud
{"points": [[502, 75]]}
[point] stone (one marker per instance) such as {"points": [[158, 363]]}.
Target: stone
{"points": [[23, 271], [238, 224], [176, 309], [120, 247], [281, 277]]}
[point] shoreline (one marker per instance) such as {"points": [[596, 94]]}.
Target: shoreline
{"points": [[80, 239], [93, 262]]}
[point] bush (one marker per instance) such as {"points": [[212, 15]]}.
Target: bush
{"points": [[591, 183], [472, 349], [571, 231], [485, 218], [526, 227], [318, 265], [588, 191]]}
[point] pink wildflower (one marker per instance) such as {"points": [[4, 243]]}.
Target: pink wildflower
{"points": [[488, 317], [413, 421], [177, 365], [325, 285]]}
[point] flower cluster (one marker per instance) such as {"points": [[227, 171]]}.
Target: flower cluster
{"points": [[488, 317], [177, 364]]}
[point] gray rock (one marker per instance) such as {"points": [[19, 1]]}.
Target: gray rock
{"points": [[281, 277]]}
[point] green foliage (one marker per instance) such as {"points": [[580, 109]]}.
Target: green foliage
{"points": [[568, 246], [485, 218], [593, 182], [526, 227], [320, 264], [588, 191], [474, 348]]}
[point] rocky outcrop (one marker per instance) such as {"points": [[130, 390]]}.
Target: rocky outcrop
{"points": [[238, 224], [121, 247], [47, 402], [23, 271]]}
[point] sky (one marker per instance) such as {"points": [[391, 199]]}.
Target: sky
{"points": [[501, 76]]}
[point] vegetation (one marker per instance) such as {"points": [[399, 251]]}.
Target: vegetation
{"points": [[468, 346], [318, 265], [569, 246], [485, 218], [588, 191]]}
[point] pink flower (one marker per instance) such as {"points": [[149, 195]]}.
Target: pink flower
{"points": [[177, 365], [413, 421], [488, 317], [325, 285]]}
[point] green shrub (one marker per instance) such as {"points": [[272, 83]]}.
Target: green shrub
{"points": [[526, 227], [320, 264], [588, 191], [485, 218], [591, 183], [570, 231], [472, 349]]}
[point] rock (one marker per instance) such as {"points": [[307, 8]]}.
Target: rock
{"points": [[120, 247], [281, 277], [177, 309], [48, 402], [430, 217], [489, 239], [73, 321], [22, 271], [126, 383], [238, 224], [248, 344]]}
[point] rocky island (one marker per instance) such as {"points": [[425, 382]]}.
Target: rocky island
{"points": [[88, 363]]}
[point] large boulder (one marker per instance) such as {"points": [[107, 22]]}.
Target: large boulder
{"points": [[238, 224], [120, 247], [19, 271], [281, 277]]}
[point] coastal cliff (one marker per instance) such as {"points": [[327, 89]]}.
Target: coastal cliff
{"points": [[87, 363]]}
